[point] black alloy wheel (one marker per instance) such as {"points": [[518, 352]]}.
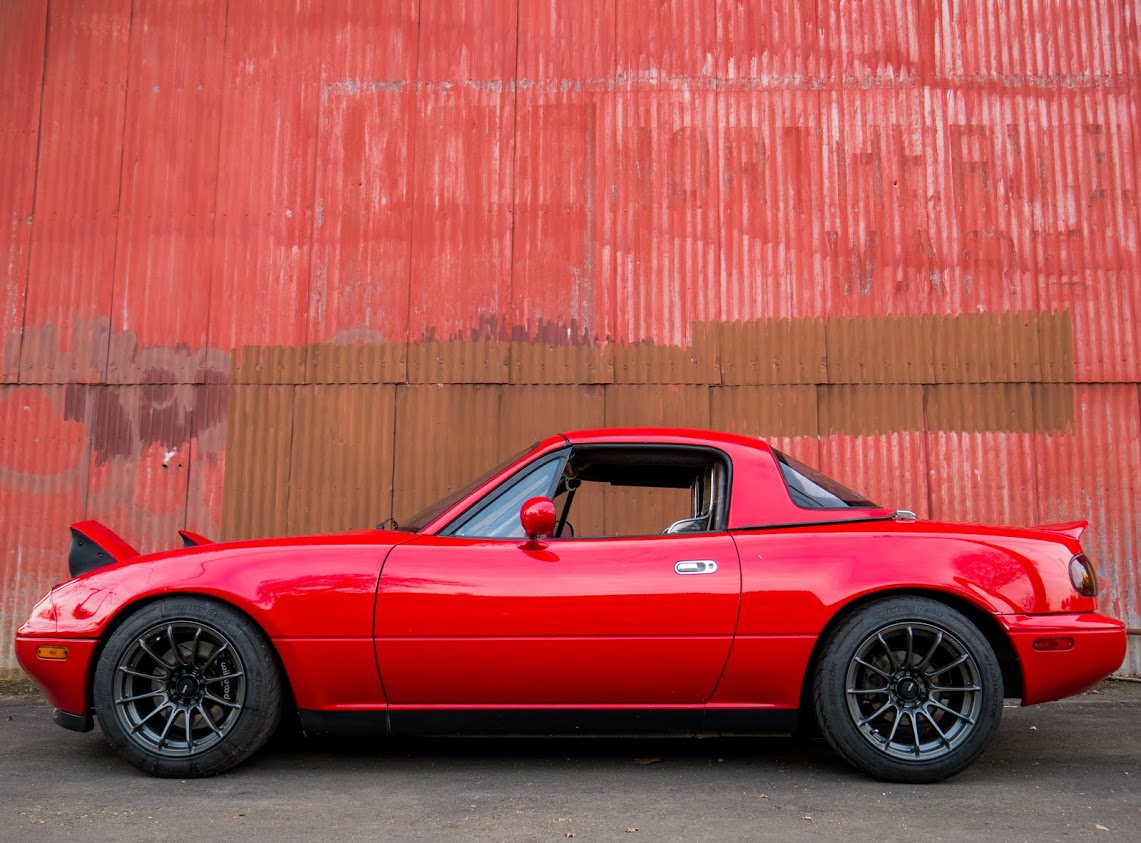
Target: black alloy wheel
{"points": [[187, 687], [908, 690]]}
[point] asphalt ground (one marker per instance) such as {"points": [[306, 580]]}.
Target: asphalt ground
{"points": [[1069, 770]]}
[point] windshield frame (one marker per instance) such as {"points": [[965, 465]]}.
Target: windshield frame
{"points": [[444, 511]]}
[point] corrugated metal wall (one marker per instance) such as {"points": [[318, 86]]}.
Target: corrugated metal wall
{"points": [[286, 266]]}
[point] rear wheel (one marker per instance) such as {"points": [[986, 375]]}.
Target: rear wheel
{"points": [[908, 690], [187, 687]]}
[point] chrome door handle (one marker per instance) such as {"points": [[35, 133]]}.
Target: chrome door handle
{"points": [[696, 566]]}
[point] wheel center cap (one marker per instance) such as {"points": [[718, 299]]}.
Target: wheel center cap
{"points": [[187, 686], [908, 689]]}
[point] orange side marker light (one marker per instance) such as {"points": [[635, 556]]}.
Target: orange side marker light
{"points": [[51, 652]]}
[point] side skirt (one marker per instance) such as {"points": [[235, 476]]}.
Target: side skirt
{"points": [[548, 721]]}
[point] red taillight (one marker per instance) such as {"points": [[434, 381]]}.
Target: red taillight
{"points": [[1082, 576]]}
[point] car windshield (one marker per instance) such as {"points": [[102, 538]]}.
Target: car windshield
{"points": [[426, 516], [812, 490]]}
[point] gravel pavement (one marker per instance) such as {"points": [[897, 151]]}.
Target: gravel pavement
{"points": [[1069, 770]]}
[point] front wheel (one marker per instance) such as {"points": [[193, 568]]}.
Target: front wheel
{"points": [[187, 687], [908, 690]]}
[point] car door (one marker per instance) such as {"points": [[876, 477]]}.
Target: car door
{"points": [[639, 621]]}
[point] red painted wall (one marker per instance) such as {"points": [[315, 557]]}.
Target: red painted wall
{"points": [[241, 245]]}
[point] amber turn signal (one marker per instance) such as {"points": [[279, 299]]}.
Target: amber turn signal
{"points": [[53, 653], [1053, 644]]}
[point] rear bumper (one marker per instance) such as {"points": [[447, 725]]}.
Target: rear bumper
{"points": [[1098, 650], [63, 681]]}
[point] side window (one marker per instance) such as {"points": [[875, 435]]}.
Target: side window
{"points": [[640, 491], [497, 515]]}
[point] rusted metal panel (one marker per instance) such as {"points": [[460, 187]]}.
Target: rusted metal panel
{"points": [[445, 436], [773, 351], [265, 215], [140, 457], [780, 43], [352, 31], [873, 441], [43, 485], [23, 27], [72, 261], [259, 428], [1096, 475], [206, 483], [784, 416], [566, 40], [1086, 226], [561, 306], [363, 207], [666, 235], [468, 41], [882, 40], [167, 191], [461, 233], [980, 453], [530, 413], [1032, 43], [664, 42], [341, 456]]}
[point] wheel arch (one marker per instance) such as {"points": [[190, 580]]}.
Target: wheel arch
{"points": [[996, 637], [127, 610]]}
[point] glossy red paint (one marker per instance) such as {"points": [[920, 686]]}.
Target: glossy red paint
{"points": [[538, 518], [387, 620], [576, 621]]}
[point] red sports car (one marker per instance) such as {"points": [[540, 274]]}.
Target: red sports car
{"points": [[709, 584]]}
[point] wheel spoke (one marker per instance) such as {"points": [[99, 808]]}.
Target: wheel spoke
{"points": [[964, 657], [872, 668], [867, 690], [931, 720], [159, 693], [910, 645], [220, 701], [955, 688], [951, 711], [189, 736], [890, 654], [166, 729], [174, 645], [154, 676], [209, 722], [894, 729], [162, 662], [194, 646], [209, 680], [217, 652], [930, 653], [875, 714], [915, 732], [143, 722]]}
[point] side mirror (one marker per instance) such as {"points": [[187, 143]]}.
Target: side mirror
{"points": [[537, 516]]}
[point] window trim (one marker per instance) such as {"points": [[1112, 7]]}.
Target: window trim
{"points": [[505, 488], [721, 512]]}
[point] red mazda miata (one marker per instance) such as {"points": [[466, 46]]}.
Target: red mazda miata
{"points": [[650, 580]]}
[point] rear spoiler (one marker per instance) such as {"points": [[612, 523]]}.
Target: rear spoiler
{"points": [[94, 545], [1070, 529]]}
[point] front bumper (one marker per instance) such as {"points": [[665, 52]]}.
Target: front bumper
{"points": [[65, 682], [1098, 650]]}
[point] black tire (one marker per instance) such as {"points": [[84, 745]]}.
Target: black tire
{"points": [[908, 690], [187, 687]]}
